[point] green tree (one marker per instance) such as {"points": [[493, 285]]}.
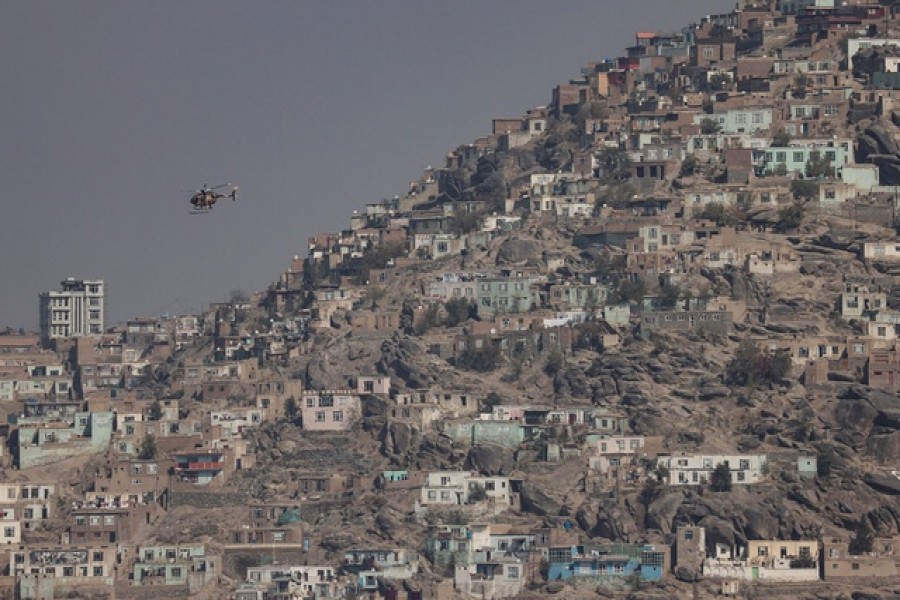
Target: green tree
{"points": [[719, 82], [689, 165], [669, 294], [801, 83], [614, 165], [554, 362], [490, 401], [477, 493], [628, 290], [155, 411], [374, 295], [291, 410], [790, 217], [716, 212], [819, 165], [431, 318], [709, 126], [803, 189], [148, 448], [781, 138], [485, 358], [464, 222], [752, 367], [781, 169], [720, 480], [863, 539], [459, 310]]}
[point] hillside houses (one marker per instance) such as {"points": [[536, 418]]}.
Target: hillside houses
{"points": [[518, 372]]}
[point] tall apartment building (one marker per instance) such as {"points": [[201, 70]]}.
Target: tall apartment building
{"points": [[75, 310]]}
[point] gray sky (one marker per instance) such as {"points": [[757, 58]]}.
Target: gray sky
{"points": [[111, 109]]}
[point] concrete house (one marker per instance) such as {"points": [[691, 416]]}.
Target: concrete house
{"points": [[766, 560], [48, 568], [645, 561], [698, 469], [43, 442], [455, 487], [857, 300], [839, 564], [884, 250], [329, 410], [183, 566], [306, 581]]}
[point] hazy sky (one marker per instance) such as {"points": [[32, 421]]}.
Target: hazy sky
{"points": [[111, 109]]}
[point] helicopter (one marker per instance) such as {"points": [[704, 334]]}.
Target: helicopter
{"points": [[205, 198]]}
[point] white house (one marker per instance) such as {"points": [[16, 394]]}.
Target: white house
{"points": [[698, 469]]}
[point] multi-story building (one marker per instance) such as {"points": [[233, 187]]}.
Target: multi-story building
{"points": [[698, 469], [839, 562], [329, 410], [182, 566], [464, 487], [73, 311]]}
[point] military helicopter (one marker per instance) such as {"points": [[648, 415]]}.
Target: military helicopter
{"points": [[206, 197]]}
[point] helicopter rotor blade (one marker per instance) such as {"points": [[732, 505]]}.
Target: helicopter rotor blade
{"points": [[220, 186]]}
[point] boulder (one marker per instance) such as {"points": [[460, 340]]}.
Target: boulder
{"points": [[661, 512], [883, 138], [866, 146], [856, 413], [536, 501], [396, 438], [885, 484], [889, 418], [490, 460], [888, 168], [517, 252], [686, 574]]}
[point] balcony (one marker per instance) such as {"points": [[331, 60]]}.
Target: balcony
{"points": [[201, 466]]}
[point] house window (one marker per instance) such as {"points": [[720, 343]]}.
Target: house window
{"points": [[320, 416], [176, 571], [688, 534], [9, 532], [512, 572], [98, 571], [855, 566], [337, 416], [98, 556], [310, 402]]}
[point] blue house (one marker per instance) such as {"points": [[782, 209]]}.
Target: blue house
{"points": [[649, 562]]}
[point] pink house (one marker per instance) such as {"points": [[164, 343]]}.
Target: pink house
{"points": [[329, 410]]}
